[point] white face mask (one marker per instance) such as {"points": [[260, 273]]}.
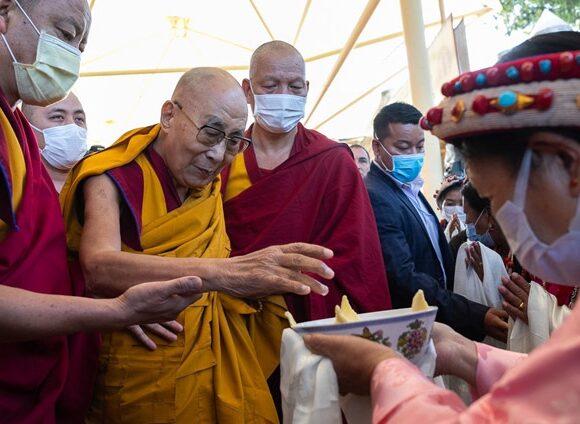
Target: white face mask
{"points": [[558, 262], [278, 113], [53, 73], [449, 211], [64, 146]]}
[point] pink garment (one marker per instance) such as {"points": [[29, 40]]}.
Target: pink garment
{"points": [[542, 388]]}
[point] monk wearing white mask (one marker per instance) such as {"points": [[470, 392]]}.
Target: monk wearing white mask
{"points": [[61, 132]]}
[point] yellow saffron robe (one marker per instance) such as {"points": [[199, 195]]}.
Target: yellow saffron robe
{"points": [[15, 167], [217, 369]]}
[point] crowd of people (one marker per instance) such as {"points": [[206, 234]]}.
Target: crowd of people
{"points": [[150, 281]]}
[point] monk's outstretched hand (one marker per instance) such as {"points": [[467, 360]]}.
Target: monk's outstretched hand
{"points": [[275, 270], [158, 301]]}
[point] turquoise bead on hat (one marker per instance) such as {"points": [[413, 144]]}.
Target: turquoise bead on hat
{"points": [[545, 66], [512, 73], [507, 99], [480, 80]]}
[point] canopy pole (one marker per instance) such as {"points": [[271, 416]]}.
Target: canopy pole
{"points": [[302, 19], [264, 24], [442, 16], [360, 25], [421, 88]]}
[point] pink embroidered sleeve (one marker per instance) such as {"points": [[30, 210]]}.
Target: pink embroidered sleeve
{"points": [[543, 388], [400, 393], [492, 364]]}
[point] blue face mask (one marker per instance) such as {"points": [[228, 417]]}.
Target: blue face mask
{"points": [[406, 168], [484, 238]]}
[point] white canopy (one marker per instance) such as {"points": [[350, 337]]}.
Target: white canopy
{"points": [[138, 49]]}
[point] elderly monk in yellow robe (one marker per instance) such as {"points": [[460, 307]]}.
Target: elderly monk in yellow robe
{"points": [[149, 207]]}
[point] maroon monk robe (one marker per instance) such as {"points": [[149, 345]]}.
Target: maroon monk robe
{"points": [[316, 196], [129, 182], [49, 380]]}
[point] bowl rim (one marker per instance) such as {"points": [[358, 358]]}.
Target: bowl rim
{"points": [[404, 315]]}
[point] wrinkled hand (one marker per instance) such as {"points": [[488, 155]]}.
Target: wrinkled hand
{"points": [[354, 359], [495, 324], [275, 270], [515, 292], [456, 355], [473, 259], [158, 301], [166, 330]]}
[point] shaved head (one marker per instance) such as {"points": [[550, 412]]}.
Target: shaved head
{"points": [[204, 100], [199, 86], [196, 80], [274, 51]]}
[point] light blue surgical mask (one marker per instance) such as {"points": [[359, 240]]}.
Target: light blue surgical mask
{"points": [[406, 168], [484, 238]]}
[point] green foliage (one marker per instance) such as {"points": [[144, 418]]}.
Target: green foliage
{"points": [[519, 14]]}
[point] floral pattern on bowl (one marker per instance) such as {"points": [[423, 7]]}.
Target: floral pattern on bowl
{"points": [[377, 336], [411, 342], [403, 330]]}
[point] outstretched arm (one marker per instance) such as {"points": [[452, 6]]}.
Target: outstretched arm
{"points": [[110, 271], [29, 316]]}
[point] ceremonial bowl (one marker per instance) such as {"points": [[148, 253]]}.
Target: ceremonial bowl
{"points": [[402, 330]]}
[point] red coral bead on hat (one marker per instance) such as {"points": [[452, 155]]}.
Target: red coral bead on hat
{"points": [[527, 71], [425, 124], [566, 60], [492, 75], [435, 115], [480, 105], [447, 89], [544, 99], [467, 83]]}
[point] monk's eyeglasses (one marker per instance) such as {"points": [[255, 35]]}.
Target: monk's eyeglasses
{"points": [[210, 136]]}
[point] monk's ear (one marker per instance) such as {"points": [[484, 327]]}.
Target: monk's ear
{"points": [[167, 114], [307, 87], [248, 91]]}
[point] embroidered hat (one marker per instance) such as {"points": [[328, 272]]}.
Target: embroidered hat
{"points": [[451, 182], [538, 91]]}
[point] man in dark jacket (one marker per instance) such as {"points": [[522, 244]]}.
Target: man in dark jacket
{"points": [[415, 251]]}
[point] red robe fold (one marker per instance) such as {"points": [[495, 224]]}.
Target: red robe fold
{"points": [[48, 380], [129, 181], [315, 196]]}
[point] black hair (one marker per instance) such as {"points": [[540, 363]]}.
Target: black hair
{"points": [[478, 203], [509, 146], [361, 147], [395, 113]]}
